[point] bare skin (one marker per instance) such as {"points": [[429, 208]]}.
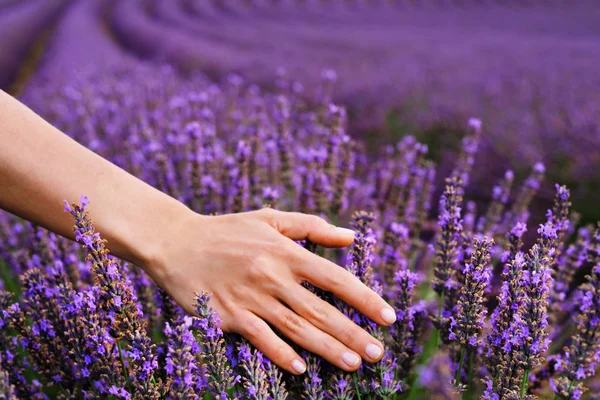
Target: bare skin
{"points": [[248, 261]]}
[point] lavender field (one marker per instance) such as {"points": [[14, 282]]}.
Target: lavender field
{"points": [[460, 139]]}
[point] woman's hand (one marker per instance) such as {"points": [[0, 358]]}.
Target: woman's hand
{"points": [[251, 265]]}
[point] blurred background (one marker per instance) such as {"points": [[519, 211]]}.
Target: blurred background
{"points": [[529, 69]]}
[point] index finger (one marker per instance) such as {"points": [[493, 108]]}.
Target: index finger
{"points": [[328, 276], [298, 226]]}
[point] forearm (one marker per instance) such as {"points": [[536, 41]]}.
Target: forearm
{"points": [[40, 167]]}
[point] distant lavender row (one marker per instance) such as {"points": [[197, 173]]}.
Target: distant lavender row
{"points": [[101, 328], [80, 41], [21, 24], [528, 68]]}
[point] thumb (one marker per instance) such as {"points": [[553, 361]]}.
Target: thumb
{"points": [[298, 226]]}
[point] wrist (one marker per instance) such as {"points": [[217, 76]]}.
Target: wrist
{"points": [[160, 230]]}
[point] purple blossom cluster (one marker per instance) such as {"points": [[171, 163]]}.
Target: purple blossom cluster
{"points": [[480, 310]]}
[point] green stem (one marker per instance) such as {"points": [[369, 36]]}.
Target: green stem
{"points": [[469, 393], [437, 330], [413, 381], [356, 386], [460, 366], [122, 360], [525, 383]]}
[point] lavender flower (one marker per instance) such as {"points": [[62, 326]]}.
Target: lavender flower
{"points": [[278, 389], [208, 331], [469, 313], [46, 337], [489, 223], [239, 178], [532, 320], [7, 389], [519, 210], [360, 256], [437, 378], [579, 359], [394, 252], [15, 366], [447, 243], [423, 206], [470, 144], [116, 294], [181, 365], [312, 386], [403, 331], [514, 242], [498, 340], [341, 387], [559, 215], [339, 200], [254, 377], [571, 261], [118, 300]]}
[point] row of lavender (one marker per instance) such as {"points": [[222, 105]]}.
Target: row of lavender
{"points": [[82, 324], [21, 24], [523, 66]]}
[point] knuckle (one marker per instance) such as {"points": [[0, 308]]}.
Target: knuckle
{"points": [[338, 280], [268, 214], [253, 329], [318, 313], [292, 324], [348, 334], [316, 221], [257, 268], [367, 303]]}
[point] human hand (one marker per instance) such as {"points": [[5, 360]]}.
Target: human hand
{"points": [[254, 270]]}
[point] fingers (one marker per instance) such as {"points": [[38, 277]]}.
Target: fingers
{"points": [[264, 339], [329, 319], [309, 337], [297, 226], [329, 276]]}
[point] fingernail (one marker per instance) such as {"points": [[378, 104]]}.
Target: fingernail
{"points": [[299, 366], [344, 231], [373, 351], [350, 359], [388, 315]]}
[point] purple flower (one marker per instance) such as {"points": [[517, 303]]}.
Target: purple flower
{"points": [[117, 298], [360, 256], [447, 243], [437, 378], [489, 223], [519, 210], [181, 367], [469, 313], [207, 327], [578, 361]]}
